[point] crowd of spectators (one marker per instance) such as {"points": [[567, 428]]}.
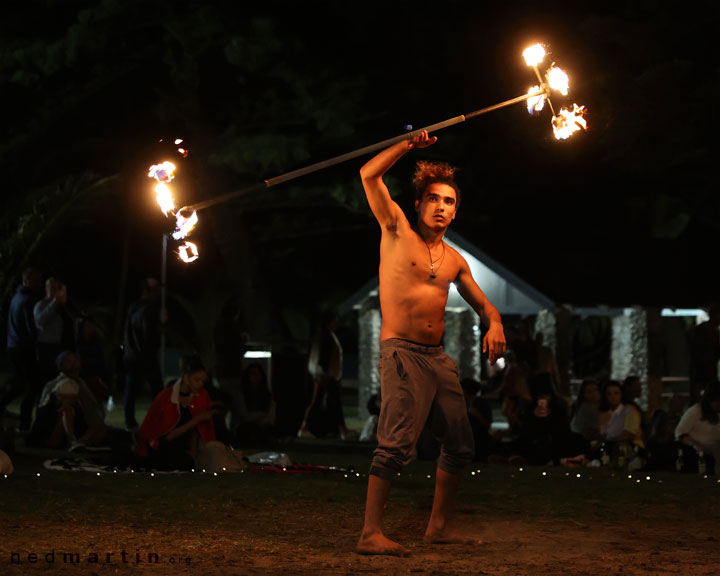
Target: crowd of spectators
{"points": [[603, 424], [64, 383], [65, 386]]}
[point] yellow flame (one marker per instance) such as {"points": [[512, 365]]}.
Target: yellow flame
{"points": [[178, 141], [534, 54], [162, 172], [184, 223], [558, 80], [535, 103], [567, 122], [164, 198], [188, 252]]}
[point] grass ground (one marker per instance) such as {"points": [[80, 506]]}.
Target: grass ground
{"points": [[534, 521]]}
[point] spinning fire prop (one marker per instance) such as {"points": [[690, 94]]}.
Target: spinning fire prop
{"points": [[564, 124]]}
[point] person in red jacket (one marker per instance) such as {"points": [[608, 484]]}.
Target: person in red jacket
{"points": [[179, 421]]}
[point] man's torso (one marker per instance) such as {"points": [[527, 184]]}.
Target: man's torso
{"points": [[411, 299]]}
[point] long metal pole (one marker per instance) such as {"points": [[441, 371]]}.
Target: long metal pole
{"points": [[359, 152]]}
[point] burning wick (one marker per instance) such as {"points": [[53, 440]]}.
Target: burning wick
{"points": [[558, 80], [162, 172], [186, 219], [188, 252], [567, 122], [535, 103], [534, 55]]}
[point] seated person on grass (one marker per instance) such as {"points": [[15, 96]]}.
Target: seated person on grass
{"points": [[179, 421], [68, 414]]}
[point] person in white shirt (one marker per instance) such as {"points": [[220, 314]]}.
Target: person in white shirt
{"points": [[699, 427]]}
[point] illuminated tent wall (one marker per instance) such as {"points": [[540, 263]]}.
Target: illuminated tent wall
{"points": [[509, 293]]}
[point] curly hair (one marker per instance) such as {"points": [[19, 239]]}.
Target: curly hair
{"points": [[427, 173]]}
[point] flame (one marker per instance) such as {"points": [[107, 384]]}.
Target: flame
{"points": [[164, 198], [558, 80], [183, 152], [184, 223], [178, 141], [188, 252], [534, 54], [162, 172], [536, 103], [567, 122]]}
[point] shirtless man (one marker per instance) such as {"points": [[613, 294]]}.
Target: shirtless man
{"points": [[416, 269]]}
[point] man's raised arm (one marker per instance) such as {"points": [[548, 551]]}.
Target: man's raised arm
{"points": [[384, 208]]}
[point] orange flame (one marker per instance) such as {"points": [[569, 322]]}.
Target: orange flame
{"points": [[567, 122], [188, 252], [164, 198]]}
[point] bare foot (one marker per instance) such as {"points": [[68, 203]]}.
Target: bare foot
{"points": [[446, 537], [378, 544]]}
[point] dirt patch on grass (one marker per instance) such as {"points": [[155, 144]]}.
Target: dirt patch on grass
{"points": [[303, 537]]}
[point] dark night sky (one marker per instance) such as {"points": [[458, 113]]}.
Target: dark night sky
{"points": [[625, 213]]}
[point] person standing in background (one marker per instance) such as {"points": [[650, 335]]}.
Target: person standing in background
{"points": [[141, 343], [21, 346]]}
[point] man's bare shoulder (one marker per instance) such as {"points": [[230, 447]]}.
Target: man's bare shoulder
{"points": [[452, 252], [457, 258]]}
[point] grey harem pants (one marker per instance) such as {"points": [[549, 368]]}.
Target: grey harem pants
{"points": [[413, 379]]}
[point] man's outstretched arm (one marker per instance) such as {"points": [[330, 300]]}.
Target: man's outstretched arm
{"points": [[386, 211]]}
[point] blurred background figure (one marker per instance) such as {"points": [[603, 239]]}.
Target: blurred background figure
{"points": [[621, 424], [704, 353], [585, 416], [254, 411], [324, 414], [94, 370], [481, 418], [21, 347], [369, 431], [55, 329], [546, 362], [698, 431], [661, 444], [545, 436], [68, 413], [141, 343], [514, 394]]}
